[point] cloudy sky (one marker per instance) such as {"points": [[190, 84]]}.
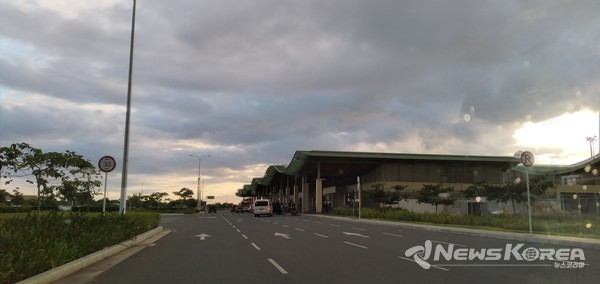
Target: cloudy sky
{"points": [[250, 82]]}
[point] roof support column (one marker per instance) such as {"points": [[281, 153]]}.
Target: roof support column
{"points": [[305, 195], [319, 195], [319, 190], [295, 195]]}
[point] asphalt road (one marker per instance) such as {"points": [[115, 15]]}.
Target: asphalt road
{"points": [[239, 248]]}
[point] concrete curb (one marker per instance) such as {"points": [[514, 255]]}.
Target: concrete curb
{"points": [[536, 238], [78, 264]]}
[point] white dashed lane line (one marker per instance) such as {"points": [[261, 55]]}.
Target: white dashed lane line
{"points": [[353, 244], [274, 263], [390, 234], [255, 246]]}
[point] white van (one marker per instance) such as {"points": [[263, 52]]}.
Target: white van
{"points": [[262, 207]]}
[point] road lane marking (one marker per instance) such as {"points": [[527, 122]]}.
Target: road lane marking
{"points": [[202, 236], [277, 266], [458, 245], [441, 268], [335, 225], [244, 236], [298, 229], [355, 234], [318, 222], [390, 234], [323, 236], [287, 236], [358, 229], [352, 244], [238, 230], [255, 246], [286, 226]]}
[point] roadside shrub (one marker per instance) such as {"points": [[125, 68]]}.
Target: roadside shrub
{"points": [[554, 223], [190, 211], [38, 242], [15, 209]]}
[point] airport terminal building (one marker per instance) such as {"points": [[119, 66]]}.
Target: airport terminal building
{"points": [[316, 178]]}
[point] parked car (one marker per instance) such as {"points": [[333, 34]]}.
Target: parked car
{"points": [[262, 207]]}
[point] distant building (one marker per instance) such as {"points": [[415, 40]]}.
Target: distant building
{"points": [[314, 178]]}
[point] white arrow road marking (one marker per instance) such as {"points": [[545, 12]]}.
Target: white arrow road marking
{"points": [[287, 236], [355, 234], [202, 236]]}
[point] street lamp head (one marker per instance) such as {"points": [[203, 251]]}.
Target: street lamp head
{"points": [[199, 157]]}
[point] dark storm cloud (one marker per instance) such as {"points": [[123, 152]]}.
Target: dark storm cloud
{"points": [[253, 81]]}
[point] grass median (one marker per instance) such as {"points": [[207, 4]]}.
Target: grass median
{"points": [[34, 243], [558, 224]]}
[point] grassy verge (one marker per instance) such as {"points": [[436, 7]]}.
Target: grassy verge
{"points": [[559, 224], [34, 243]]}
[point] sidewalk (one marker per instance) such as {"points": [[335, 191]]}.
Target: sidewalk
{"points": [[537, 238]]}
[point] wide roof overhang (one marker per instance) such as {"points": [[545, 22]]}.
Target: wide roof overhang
{"points": [[338, 167]]}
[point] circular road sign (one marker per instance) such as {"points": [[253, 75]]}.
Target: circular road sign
{"points": [[107, 164], [527, 159]]}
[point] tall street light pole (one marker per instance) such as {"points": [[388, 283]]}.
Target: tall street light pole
{"points": [[122, 204], [198, 193], [591, 140]]}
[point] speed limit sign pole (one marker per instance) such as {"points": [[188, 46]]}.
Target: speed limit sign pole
{"points": [[106, 164]]}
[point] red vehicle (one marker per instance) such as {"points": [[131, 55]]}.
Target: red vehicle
{"points": [[246, 206]]}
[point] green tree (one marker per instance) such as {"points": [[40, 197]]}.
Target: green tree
{"points": [[155, 200], [66, 173], [135, 200], [380, 195], [4, 196], [517, 192], [435, 194], [17, 198], [79, 186], [396, 194], [475, 190], [377, 194], [184, 194]]}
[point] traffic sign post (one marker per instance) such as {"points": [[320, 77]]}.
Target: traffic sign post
{"points": [[527, 159], [106, 164]]}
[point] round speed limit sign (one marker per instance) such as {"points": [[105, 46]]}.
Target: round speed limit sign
{"points": [[107, 164]]}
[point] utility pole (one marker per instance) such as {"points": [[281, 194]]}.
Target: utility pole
{"points": [[122, 204], [591, 140], [199, 204]]}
